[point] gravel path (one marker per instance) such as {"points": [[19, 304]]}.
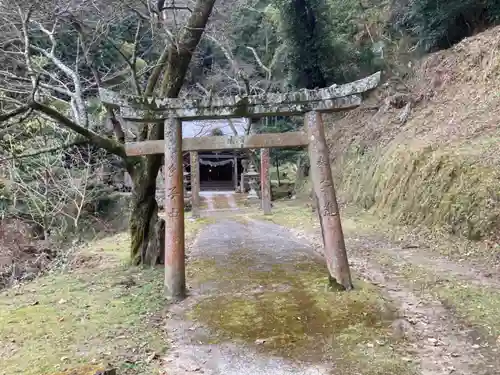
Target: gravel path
{"points": [[439, 343], [265, 243]]}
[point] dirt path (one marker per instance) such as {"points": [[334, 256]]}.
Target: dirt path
{"points": [[441, 341], [213, 202], [423, 257], [238, 268], [242, 253]]}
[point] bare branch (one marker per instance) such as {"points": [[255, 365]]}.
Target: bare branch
{"points": [[14, 113], [107, 144], [259, 61], [47, 150]]}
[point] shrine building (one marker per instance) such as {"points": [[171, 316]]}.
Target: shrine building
{"points": [[219, 171]]}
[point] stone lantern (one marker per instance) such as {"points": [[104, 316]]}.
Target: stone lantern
{"points": [[252, 175], [185, 181]]}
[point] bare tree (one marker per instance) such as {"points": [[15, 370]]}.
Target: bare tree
{"points": [[37, 79], [51, 188]]}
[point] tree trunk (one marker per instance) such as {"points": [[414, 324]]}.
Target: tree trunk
{"points": [[147, 230]]}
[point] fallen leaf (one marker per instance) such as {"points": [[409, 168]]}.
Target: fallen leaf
{"points": [[152, 357]]}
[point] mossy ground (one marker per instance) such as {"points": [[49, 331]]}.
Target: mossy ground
{"points": [[454, 188], [220, 202], [287, 310], [478, 305], [100, 312]]}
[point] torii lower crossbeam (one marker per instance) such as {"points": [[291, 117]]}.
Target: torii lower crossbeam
{"points": [[321, 174], [310, 103]]}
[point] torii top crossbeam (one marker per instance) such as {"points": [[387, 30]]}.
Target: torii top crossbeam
{"points": [[173, 111], [330, 99]]}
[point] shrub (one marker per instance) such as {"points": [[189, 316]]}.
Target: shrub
{"points": [[441, 24]]}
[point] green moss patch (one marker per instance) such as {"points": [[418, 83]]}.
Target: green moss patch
{"points": [[101, 312], [221, 202], [287, 310], [479, 306], [451, 187], [66, 320], [292, 216]]}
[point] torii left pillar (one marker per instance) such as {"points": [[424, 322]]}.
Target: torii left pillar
{"points": [[175, 271]]}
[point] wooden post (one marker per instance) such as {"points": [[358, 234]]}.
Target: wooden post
{"points": [[195, 183], [321, 173], [265, 184], [175, 273]]}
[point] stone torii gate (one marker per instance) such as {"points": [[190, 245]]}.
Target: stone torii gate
{"points": [[311, 103]]}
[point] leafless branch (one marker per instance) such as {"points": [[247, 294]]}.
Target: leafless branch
{"points": [[47, 150], [110, 145], [16, 112]]}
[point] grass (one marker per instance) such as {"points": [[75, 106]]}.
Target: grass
{"points": [[357, 221], [100, 312], [292, 215]]}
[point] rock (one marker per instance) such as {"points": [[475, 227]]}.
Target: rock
{"points": [[152, 357], [402, 329], [106, 372], [433, 341]]}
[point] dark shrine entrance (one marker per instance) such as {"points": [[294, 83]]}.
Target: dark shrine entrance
{"points": [[217, 172]]}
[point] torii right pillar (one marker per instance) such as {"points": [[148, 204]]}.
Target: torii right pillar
{"points": [[265, 183], [328, 210]]}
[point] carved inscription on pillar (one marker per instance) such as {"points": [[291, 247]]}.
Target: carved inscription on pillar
{"points": [[328, 207], [175, 279], [333, 236]]}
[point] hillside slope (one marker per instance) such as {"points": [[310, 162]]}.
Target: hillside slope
{"points": [[426, 151]]}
